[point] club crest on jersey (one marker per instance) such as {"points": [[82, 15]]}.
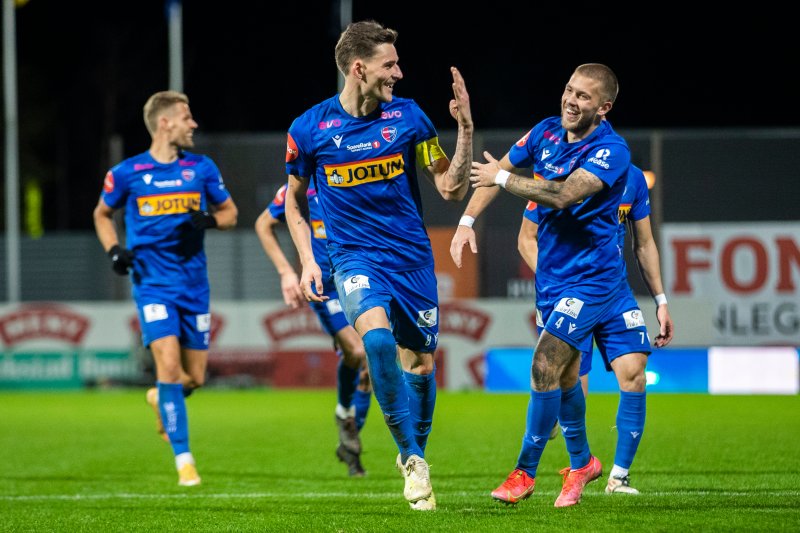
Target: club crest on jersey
{"points": [[366, 171], [428, 317], [167, 204], [389, 133], [187, 174], [570, 307]]}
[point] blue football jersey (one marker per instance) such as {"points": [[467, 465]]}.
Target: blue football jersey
{"points": [[157, 198], [319, 239], [634, 205], [578, 244], [364, 172]]}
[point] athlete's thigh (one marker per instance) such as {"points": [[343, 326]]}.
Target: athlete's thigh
{"points": [[415, 309], [195, 319], [158, 315], [622, 330], [361, 287], [571, 313], [586, 349]]}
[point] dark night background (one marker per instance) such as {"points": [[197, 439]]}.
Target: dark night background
{"points": [[86, 68]]}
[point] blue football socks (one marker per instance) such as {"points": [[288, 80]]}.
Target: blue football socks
{"points": [[543, 410], [390, 390], [630, 426], [172, 405], [421, 401], [572, 418]]}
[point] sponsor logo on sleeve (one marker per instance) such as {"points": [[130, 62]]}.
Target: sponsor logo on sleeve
{"points": [[600, 157], [280, 196], [291, 149], [108, 182], [524, 139]]}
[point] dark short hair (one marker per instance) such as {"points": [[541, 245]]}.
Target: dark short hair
{"points": [[359, 40]]}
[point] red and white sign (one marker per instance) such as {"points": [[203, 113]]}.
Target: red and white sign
{"points": [[749, 272]]}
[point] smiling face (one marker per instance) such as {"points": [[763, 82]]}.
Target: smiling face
{"points": [[179, 126], [583, 106], [379, 73]]}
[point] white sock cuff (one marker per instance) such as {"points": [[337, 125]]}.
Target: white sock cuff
{"points": [[345, 412], [182, 459], [618, 471]]}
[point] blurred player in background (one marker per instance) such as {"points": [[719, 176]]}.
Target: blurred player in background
{"points": [[360, 150], [628, 366], [352, 377], [170, 197]]}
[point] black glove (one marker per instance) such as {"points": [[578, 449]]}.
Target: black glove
{"points": [[121, 259], [202, 219]]}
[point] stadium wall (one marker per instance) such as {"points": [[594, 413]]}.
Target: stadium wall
{"points": [[68, 345]]}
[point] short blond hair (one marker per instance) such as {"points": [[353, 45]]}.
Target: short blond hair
{"points": [[157, 104]]}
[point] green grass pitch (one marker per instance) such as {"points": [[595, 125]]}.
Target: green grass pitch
{"points": [[91, 461]]}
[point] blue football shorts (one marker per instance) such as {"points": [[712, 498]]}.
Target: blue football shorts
{"points": [[576, 313], [409, 299], [180, 310], [330, 314]]}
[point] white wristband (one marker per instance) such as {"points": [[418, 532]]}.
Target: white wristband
{"points": [[661, 299], [501, 177], [467, 221]]}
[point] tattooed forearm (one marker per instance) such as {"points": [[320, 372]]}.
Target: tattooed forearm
{"points": [[554, 193], [540, 191], [456, 180]]}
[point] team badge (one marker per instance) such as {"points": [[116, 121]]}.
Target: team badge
{"points": [[389, 133]]}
